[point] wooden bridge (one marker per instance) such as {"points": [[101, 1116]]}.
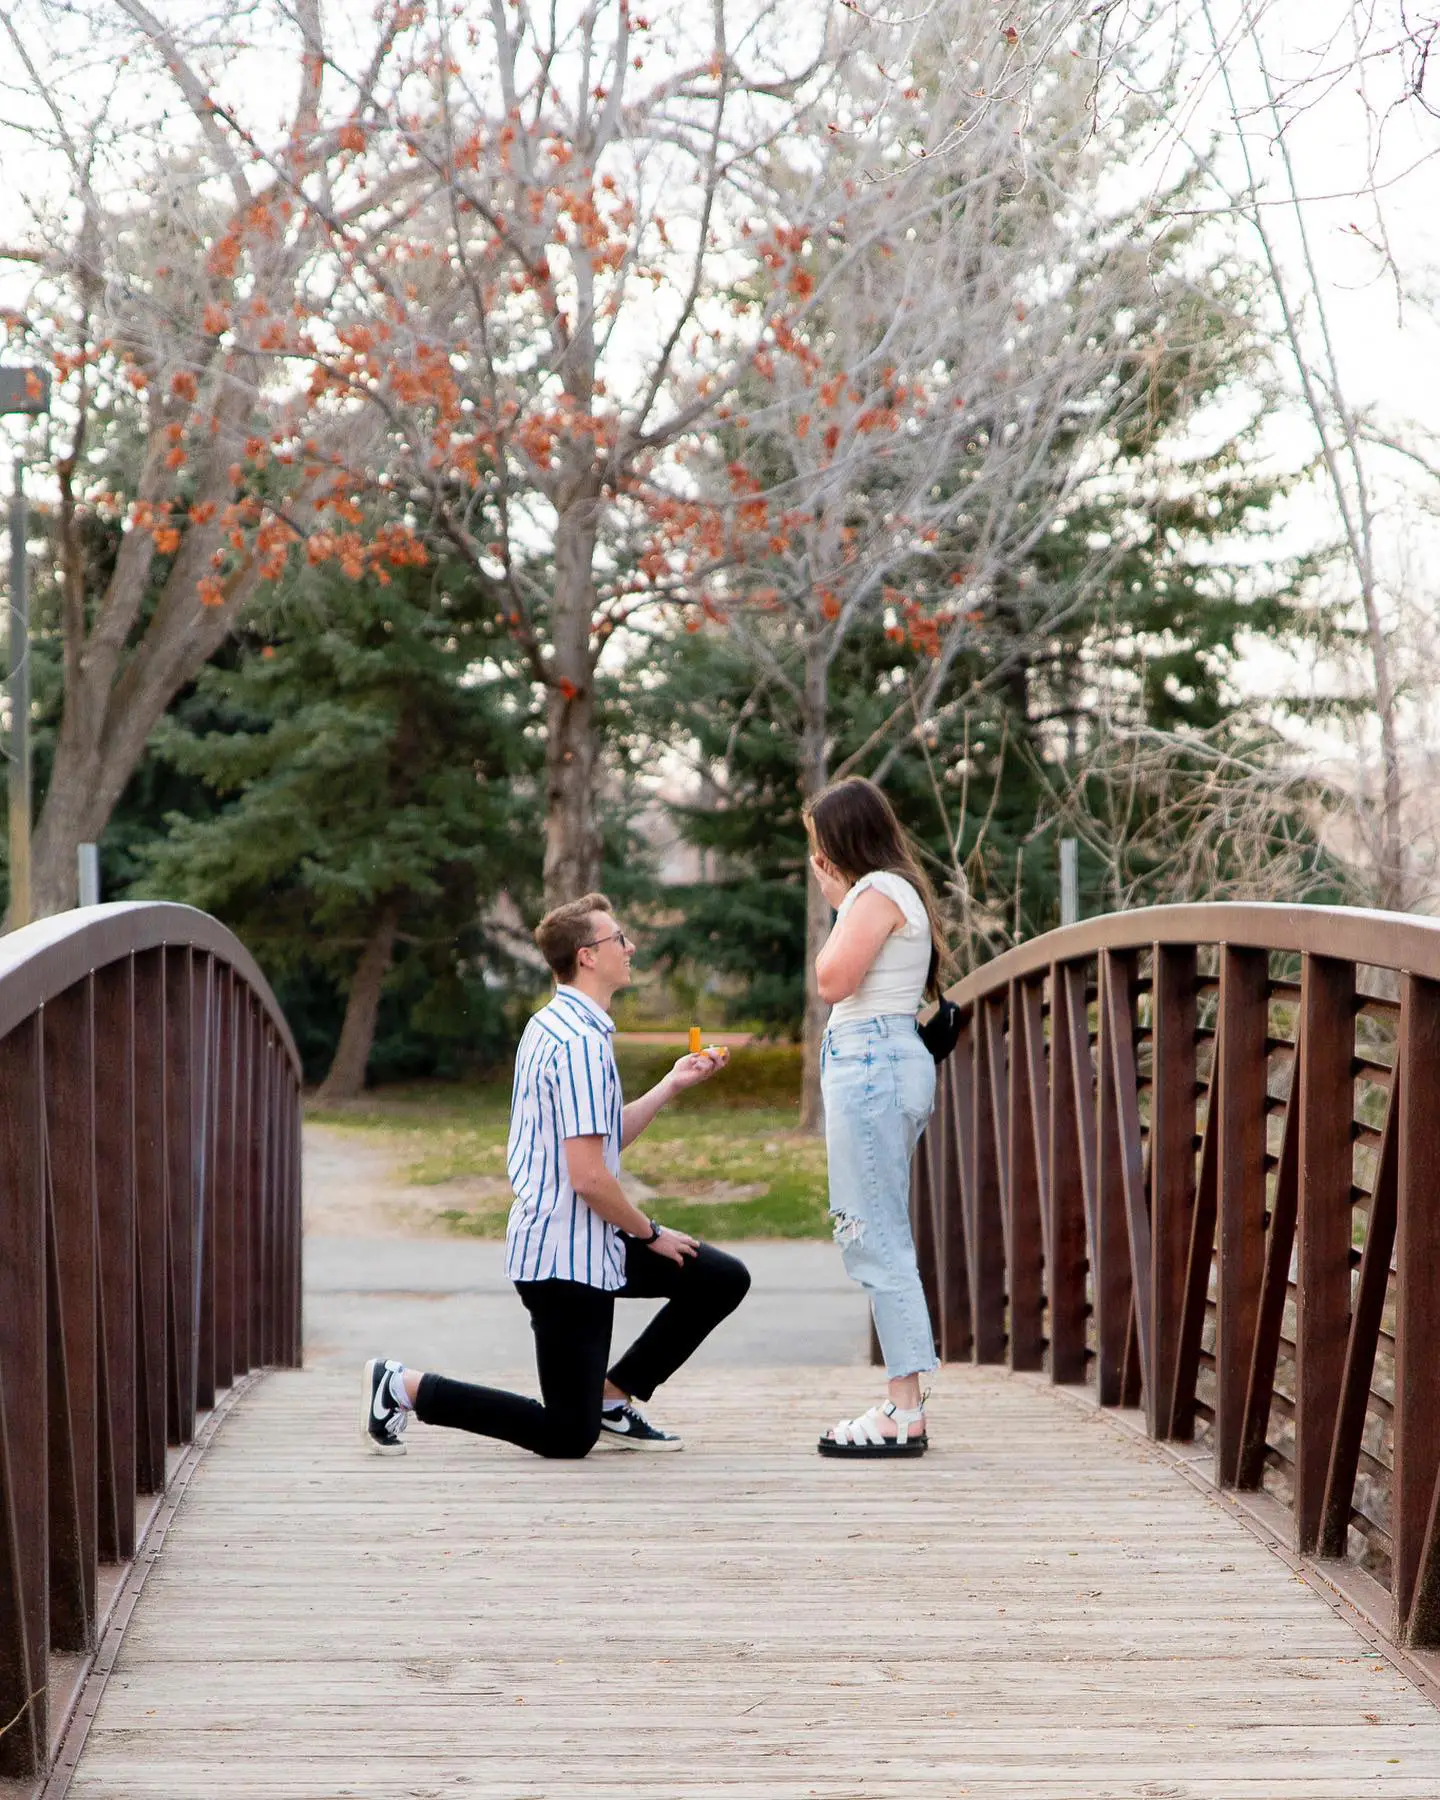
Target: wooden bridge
{"points": [[1179, 1536]]}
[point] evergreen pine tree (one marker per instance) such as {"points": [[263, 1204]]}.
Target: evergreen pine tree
{"points": [[380, 789]]}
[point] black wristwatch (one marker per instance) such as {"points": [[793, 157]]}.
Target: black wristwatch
{"points": [[654, 1233]]}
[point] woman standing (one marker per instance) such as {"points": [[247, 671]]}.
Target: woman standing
{"points": [[878, 1084]]}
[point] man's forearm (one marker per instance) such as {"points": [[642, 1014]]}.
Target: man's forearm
{"points": [[639, 1113], [605, 1197]]}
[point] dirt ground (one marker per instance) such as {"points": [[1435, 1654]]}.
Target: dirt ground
{"points": [[354, 1188]]}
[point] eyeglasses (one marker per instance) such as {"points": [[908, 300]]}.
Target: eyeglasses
{"points": [[615, 937]]}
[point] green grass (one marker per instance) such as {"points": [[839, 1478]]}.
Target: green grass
{"points": [[757, 1075], [725, 1160]]}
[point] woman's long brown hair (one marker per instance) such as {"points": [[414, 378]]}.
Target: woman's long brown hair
{"points": [[854, 828]]}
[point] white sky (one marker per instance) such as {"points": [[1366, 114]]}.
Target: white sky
{"points": [[1366, 166], [1388, 350]]}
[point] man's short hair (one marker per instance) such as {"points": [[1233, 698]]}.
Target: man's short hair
{"points": [[565, 930]]}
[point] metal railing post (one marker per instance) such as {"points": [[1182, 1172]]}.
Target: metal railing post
{"points": [[87, 871], [1069, 881], [18, 683]]}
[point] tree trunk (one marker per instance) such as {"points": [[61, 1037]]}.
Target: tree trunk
{"points": [[346, 1079], [74, 813], [1346, 465], [102, 739], [572, 832], [1391, 883], [113, 700], [572, 760], [814, 765]]}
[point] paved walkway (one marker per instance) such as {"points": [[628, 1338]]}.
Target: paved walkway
{"points": [[383, 1274], [448, 1306]]}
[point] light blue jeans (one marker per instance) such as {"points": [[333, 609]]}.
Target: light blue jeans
{"points": [[878, 1084]]}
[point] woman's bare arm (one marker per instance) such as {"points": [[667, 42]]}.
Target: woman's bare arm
{"points": [[854, 944]]}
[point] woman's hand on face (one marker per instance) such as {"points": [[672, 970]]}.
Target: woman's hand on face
{"points": [[829, 880]]}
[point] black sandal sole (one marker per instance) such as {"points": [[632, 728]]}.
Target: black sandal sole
{"points": [[915, 1447]]}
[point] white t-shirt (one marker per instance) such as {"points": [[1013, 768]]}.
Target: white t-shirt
{"points": [[895, 981]]}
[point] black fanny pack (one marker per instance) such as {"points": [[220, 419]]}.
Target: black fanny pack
{"points": [[941, 1031]]}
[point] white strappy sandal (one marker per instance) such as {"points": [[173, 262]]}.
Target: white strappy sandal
{"points": [[863, 1436]]}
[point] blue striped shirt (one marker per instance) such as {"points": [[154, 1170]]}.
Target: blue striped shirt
{"points": [[566, 1085]]}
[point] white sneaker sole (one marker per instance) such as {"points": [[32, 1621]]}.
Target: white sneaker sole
{"points": [[617, 1442], [367, 1400]]}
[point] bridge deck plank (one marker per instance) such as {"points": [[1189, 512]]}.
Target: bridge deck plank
{"points": [[1041, 1607]]}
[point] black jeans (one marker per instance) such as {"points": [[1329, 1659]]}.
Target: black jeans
{"points": [[572, 1325]]}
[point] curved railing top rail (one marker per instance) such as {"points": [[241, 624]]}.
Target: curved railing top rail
{"points": [[1348, 933], [40, 961]]}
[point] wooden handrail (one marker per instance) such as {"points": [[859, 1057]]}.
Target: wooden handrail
{"points": [[1347, 933], [1189, 1154], [149, 1255]]}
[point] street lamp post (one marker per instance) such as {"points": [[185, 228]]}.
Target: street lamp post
{"points": [[21, 391]]}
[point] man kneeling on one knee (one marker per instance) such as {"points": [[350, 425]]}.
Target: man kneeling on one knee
{"points": [[574, 1242]]}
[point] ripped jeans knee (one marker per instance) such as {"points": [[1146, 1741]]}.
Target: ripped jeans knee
{"points": [[870, 1259], [849, 1229]]}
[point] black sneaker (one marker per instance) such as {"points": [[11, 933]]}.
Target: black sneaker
{"points": [[627, 1428], [382, 1422]]}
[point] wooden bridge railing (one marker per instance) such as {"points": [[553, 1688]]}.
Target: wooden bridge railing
{"points": [[149, 1257], [1192, 1155]]}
